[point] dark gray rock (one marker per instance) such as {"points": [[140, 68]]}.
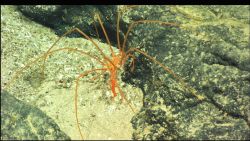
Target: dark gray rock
{"points": [[20, 121], [215, 65], [65, 17], [44, 14]]}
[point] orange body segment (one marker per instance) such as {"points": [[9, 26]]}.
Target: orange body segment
{"points": [[113, 83], [113, 73]]}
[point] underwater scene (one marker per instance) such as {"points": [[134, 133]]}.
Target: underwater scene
{"points": [[116, 72]]}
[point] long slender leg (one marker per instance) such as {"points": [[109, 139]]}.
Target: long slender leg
{"points": [[18, 72], [96, 30], [119, 13], [69, 32], [133, 61], [118, 31], [98, 76], [192, 90], [124, 97], [76, 95], [145, 21], [105, 33]]}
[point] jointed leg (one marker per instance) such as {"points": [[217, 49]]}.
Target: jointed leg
{"points": [[18, 72], [96, 30], [65, 34], [145, 21], [98, 76], [76, 94], [105, 33], [133, 61], [124, 97], [118, 31], [192, 90]]}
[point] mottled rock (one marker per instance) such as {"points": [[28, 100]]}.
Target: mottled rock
{"points": [[20, 121], [44, 14], [63, 18], [209, 51]]}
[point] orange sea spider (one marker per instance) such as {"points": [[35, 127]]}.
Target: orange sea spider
{"points": [[111, 64]]}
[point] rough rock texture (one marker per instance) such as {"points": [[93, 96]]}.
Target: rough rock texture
{"points": [[63, 18], [209, 50], [212, 56], [23, 121], [24, 40]]}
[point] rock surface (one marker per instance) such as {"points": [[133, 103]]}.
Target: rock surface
{"points": [[100, 117], [209, 51], [64, 18], [22, 121]]}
